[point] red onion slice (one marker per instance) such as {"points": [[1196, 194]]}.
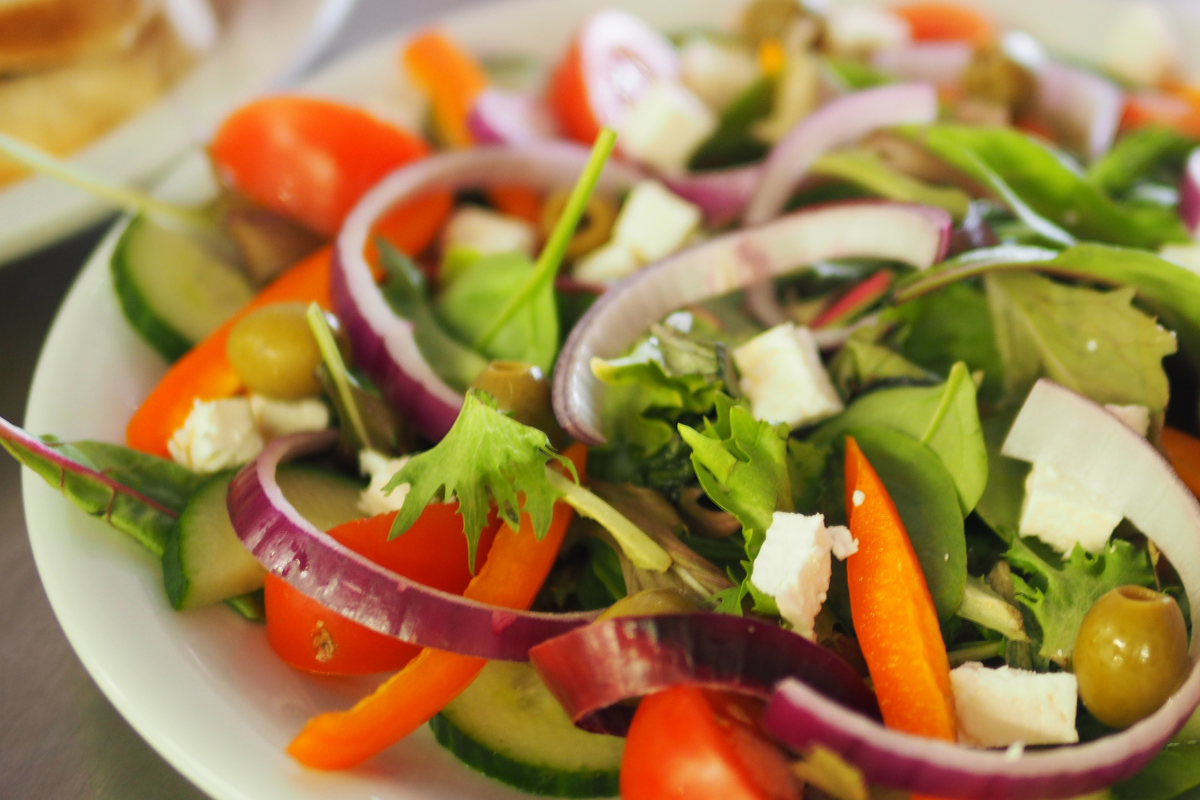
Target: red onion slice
{"points": [[383, 343], [940, 63], [338, 578], [1082, 440], [621, 56], [593, 668], [1189, 194], [500, 117], [722, 194], [1082, 107], [840, 122], [912, 234]]}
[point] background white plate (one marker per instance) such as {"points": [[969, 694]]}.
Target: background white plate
{"points": [[203, 687], [265, 43]]}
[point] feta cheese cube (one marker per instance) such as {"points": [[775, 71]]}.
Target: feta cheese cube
{"points": [[716, 72], [1142, 48], [794, 566], [1004, 707], [653, 223], [217, 435], [609, 262], [285, 417], [1063, 512], [855, 30], [665, 126], [486, 232], [1135, 417], [782, 374], [373, 500]]}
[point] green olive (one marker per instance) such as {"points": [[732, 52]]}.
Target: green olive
{"points": [[768, 19], [996, 77], [524, 390], [650, 603], [594, 228], [273, 351], [1130, 655]]}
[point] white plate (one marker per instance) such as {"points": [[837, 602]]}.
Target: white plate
{"points": [[265, 43], [203, 687]]}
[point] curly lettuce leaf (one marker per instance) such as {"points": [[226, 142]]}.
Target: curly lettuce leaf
{"points": [[1058, 596], [487, 457], [1095, 343]]}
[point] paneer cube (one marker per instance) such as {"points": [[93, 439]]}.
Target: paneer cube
{"points": [[487, 232], [717, 73], [794, 565], [285, 417], [1063, 512], [217, 435], [1142, 47], [782, 375], [1005, 706], [665, 126], [653, 223], [856, 30]]}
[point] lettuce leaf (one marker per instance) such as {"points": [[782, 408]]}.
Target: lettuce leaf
{"points": [[861, 364], [1136, 155], [1095, 343], [1059, 595]]}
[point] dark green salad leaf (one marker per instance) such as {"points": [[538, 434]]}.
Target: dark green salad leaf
{"points": [[944, 417], [487, 457], [1095, 343], [1032, 176], [1000, 505], [1059, 595], [136, 493], [468, 304], [1172, 772], [861, 364], [732, 144], [1137, 154], [405, 291], [868, 171]]}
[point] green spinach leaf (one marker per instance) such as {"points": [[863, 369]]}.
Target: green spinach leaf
{"points": [[861, 364], [732, 144], [1173, 771], [1095, 343], [1000, 505], [868, 171], [1135, 155]]}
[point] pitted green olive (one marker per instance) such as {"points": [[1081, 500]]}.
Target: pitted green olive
{"points": [[274, 353]]}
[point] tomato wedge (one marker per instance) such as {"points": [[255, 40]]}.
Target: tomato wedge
{"points": [[698, 744], [309, 636]]}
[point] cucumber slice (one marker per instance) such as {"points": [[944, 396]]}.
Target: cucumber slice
{"points": [[508, 726], [205, 562], [173, 290]]}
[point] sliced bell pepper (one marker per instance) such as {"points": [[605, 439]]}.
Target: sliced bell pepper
{"points": [[452, 79]]}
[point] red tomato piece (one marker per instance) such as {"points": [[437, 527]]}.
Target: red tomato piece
{"points": [[311, 637], [697, 744]]}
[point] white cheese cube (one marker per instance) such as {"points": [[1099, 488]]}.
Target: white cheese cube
{"points": [[782, 374], [607, 263], [655, 222], [284, 417], [1142, 48], [855, 30], [716, 72], [373, 500], [1063, 512], [665, 126], [1135, 417], [1004, 707], [216, 435], [794, 566], [486, 232]]}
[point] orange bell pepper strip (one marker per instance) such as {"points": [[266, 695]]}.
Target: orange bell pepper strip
{"points": [[205, 373], [452, 79], [568, 98], [940, 22], [1183, 452], [521, 202], [893, 612], [514, 572], [1177, 108]]}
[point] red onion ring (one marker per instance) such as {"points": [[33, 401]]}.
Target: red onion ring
{"points": [[913, 234], [1083, 107], [383, 343], [940, 63], [1189, 194], [722, 194], [343, 581], [500, 117], [1074, 434], [840, 122], [592, 669]]}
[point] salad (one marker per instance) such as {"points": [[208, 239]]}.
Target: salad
{"points": [[801, 409]]}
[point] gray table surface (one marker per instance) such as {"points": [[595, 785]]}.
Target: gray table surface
{"points": [[60, 738]]}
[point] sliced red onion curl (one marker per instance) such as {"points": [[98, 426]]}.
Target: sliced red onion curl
{"points": [[722, 194], [594, 668], [840, 122], [1084, 441], [1189, 194], [383, 343], [940, 63], [913, 234], [501, 117], [291, 547], [1082, 107]]}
